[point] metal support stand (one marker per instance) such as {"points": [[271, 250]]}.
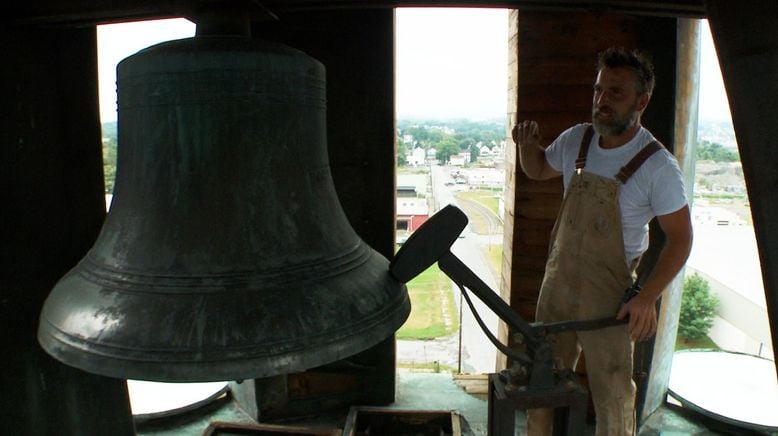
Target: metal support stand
{"points": [[569, 404]]}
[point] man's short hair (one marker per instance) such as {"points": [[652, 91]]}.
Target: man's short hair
{"points": [[634, 60]]}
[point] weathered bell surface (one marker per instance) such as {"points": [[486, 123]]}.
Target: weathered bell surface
{"points": [[226, 254]]}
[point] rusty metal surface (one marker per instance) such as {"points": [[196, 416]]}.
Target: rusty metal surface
{"points": [[226, 254]]}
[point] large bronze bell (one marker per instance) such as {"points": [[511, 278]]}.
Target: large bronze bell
{"points": [[226, 254]]}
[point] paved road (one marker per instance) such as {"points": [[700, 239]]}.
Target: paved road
{"points": [[490, 223], [477, 354]]}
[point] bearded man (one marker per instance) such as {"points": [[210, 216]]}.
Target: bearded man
{"points": [[616, 177]]}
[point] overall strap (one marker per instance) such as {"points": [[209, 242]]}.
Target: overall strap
{"points": [[584, 149], [629, 169]]}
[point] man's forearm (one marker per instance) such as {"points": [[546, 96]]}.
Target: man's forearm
{"points": [[642, 308], [532, 159], [531, 156]]}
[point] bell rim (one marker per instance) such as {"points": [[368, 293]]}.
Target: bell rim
{"points": [[119, 357], [225, 369]]}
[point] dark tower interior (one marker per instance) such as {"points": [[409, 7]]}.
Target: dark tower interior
{"points": [[52, 185]]}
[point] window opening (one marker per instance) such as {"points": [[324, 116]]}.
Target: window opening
{"points": [[723, 327], [114, 43], [451, 93]]}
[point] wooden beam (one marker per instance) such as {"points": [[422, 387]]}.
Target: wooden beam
{"points": [[90, 12]]}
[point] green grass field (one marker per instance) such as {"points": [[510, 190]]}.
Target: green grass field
{"points": [[486, 197], [682, 343], [493, 255], [434, 313]]}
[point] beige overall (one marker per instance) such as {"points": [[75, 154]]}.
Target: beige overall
{"points": [[586, 276]]}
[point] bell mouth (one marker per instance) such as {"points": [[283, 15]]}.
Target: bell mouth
{"points": [[199, 329]]}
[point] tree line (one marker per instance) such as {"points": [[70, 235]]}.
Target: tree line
{"points": [[447, 137], [109, 155], [712, 151]]}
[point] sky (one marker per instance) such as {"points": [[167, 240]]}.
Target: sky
{"points": [[450, 62], [118, 41], [713, 103]]}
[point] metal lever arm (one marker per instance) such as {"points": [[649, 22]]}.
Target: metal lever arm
{"points": [[462, 275], [431, 243]]}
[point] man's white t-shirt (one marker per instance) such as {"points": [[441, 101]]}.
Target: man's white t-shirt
{"points": [[655, 189]]}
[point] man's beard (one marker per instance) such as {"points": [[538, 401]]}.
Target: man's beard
{"points": [[617, 125]]}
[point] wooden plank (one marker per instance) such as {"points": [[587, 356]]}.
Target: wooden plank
{"points": [[456, 425], [380, 420], [534, 232], [216, 428], [530, 250], [572, 34], [91, 12], [468, 376], [560, 70], [526, 310], [553, 186], [554, 122], [529, 264], [552, 97], [527, 281], [481, 389], [537, 206]]}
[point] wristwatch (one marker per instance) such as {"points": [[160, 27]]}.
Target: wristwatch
{"points": [[631, 292]]}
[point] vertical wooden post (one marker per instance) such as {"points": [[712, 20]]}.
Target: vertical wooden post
{"points": [[53, 204]]}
